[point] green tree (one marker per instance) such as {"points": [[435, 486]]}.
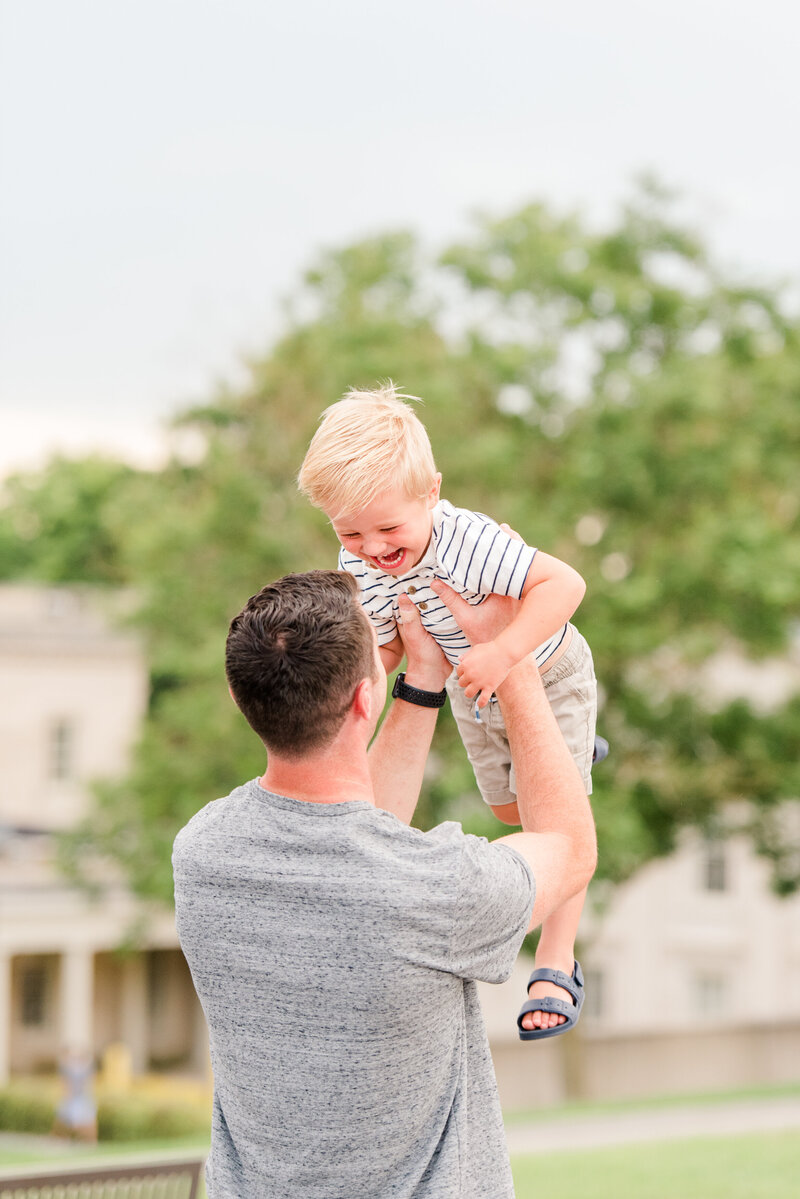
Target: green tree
{"points": [[614, 396], [663, 466], [59, 523]]}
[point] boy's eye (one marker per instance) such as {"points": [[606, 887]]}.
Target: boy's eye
{"points": [[391, 529]]}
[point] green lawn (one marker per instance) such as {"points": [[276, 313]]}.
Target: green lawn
{"points": [[47, 1153], [683, 1099], [759, 1166]]}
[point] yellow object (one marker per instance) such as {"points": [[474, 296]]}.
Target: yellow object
{"points": [[115, 1068]]}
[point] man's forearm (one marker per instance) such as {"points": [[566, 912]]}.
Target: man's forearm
{"points": [[551, 797], [398, 755]]}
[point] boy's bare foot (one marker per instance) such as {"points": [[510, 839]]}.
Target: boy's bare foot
{"points": [[539, 990]]}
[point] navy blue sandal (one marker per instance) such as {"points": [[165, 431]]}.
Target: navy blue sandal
{"points": [[549, 1003], [600, 749]]}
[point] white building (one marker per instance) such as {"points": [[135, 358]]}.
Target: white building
{"points": [[74, 690]]}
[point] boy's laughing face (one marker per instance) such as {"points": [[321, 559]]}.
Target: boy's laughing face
{"points": [[392, 533]]}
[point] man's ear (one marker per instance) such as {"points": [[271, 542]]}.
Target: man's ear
{"points": [[362, 700], [433, 494]]}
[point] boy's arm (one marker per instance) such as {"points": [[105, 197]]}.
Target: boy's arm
{"points": [[392, 653], [550, 595]]}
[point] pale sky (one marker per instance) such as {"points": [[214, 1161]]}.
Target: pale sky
{"points": [[168, 167]]}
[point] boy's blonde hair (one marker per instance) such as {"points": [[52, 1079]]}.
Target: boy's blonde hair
{"points": [[367, 442]]}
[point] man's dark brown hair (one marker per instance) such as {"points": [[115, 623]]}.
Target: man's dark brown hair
{"points": [[294, 657]]}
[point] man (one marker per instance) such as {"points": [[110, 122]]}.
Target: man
{"points": [[334, 948]]}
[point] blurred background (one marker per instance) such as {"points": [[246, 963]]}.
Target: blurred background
{"points": [[574, 235]]}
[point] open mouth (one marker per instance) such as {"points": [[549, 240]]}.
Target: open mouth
{"points": [[391, 561]]}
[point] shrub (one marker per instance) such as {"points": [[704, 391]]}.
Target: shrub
{"points": [[27, 1108], [30, 1106], [136, 1118]]}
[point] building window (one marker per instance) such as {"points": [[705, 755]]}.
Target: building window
{"points": [[710, 995], [34, 997], [715, 864], [61, 765]]}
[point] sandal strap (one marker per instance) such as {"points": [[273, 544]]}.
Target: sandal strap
{"points": [[573, 983], [549, 1003]]}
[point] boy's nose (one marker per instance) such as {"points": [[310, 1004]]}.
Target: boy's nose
{"points": [[373, 548]]}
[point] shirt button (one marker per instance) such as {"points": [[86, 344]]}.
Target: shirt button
{"points": [[412, 591], [423, 605]]}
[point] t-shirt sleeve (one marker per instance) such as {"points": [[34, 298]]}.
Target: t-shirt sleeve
{"points": [[480, 557], [495, 899], [378, 607]]}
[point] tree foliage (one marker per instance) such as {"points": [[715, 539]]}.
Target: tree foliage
{"points": [[59, 525], [612, 394]]}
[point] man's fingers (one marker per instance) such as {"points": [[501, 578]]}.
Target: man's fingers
{"points": [[407, 610], [452, 599], [409, 625], [512, 533]]}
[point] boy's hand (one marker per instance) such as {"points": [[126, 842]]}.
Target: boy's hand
{"points": [[482, 670], [427, 667]]}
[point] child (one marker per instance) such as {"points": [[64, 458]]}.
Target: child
{"points": [[370, 468]]}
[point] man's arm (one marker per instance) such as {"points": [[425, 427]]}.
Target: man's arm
{"points": [[398, 754], [558, 837]]}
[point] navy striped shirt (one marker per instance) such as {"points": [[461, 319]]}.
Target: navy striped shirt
{"points": [[467, 550]]}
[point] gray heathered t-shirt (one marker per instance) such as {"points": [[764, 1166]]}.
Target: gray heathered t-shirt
{"points": [[334, 950]]}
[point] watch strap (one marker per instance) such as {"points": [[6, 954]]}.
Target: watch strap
{"points": [[415, 695]]}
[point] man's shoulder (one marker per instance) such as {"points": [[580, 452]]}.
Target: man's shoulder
{"points": [[209, 816], [440, 849], [449, 839], [479, 861]]}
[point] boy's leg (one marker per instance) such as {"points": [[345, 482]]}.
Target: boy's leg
{"points": [[487, 748]]}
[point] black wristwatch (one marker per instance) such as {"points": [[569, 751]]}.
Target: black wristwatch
{"points": [[414, 695]]}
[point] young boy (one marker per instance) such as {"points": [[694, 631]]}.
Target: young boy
{"points": [[370, 468]]}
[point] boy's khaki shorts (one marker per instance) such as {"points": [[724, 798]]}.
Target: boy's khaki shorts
{"points": [[571, 687]]}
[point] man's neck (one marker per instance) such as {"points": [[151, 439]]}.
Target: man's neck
{"points": [[324, 779]]}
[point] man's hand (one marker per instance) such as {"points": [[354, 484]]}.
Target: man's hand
{"points": [[480, 622], [427, 666], [482, 670]]}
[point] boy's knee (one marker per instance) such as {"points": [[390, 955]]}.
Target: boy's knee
{"points": [[508, 813]]}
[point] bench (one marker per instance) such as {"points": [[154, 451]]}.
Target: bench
{"points": [[161, 1180]]}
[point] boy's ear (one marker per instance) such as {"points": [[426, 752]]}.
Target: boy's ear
{"points": [[433, 494]]}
